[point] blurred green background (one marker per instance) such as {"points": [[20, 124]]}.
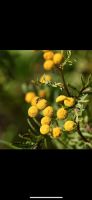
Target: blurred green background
{"points": [[17, 68]]}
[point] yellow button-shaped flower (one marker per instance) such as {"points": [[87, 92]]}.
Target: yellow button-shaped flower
{"points": [[48, 55], [69, 125], [44, 129], [45, 78], [62, 113], [34, 101], [29, 96], [57, 58], [42, 103], [46, 120], [60, 98], [69, 102], [32, 111], [56, 132], [48, 111], [48, 65]]}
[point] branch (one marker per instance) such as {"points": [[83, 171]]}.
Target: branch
{"points": [[79, 132], [63, 79]]}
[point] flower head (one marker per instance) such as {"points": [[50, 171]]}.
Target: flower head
{"points": [[48, 55], [69, 101], [48, 65], [45, 78], [29, 96], [46, 120], [44, 129], [34, 101], [61, 113], [42, 103], [60, 98], [56, 132], [69, 125], [57, 58], [32, 111], [48, 111]]}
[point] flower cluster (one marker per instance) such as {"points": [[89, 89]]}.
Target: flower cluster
{"points": [[39, 105], [59, 115], [51, 59]]}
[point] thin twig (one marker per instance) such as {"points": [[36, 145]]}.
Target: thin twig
{"points": [[63, 79], [79, 132]]}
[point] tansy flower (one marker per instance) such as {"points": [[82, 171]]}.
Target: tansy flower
{"points": [[32, 111], [42, 103], [42, 93], [45, 78], [62, 113], [34, 101], [48, 65], [29, 96], [56, 132], [57, 58], [69, 125], [44, 129], [60, 98], [69, 102], [48, 111], [48, 55], [46, 120]]}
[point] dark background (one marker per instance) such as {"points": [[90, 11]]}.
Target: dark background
{"points": [[45, 173]]}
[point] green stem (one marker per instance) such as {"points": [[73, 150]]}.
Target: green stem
{"points": [[45, 143], [64, 82], [31, 126], [79, 132], [8, 144], [36, 121]]}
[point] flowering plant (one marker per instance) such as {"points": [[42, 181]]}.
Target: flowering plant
{"points": [[57, 111]]}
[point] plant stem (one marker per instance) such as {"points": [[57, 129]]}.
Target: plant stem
{"points": [[36, 121], [79, 132], [8, 144], [64, 82], [45, 143], [81, 91]]}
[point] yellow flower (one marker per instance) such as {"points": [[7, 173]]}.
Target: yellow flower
{"points": [[46, 120], [69, 125], [48, 65], [42, 93], [69, 102], [48, 111], [45, 78], [56, 132], [57, 58], [42, 103], [29, 96], [60, 98], [62, 113], [44, 129], [48, 55], [32, 111], [34, 101]]}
